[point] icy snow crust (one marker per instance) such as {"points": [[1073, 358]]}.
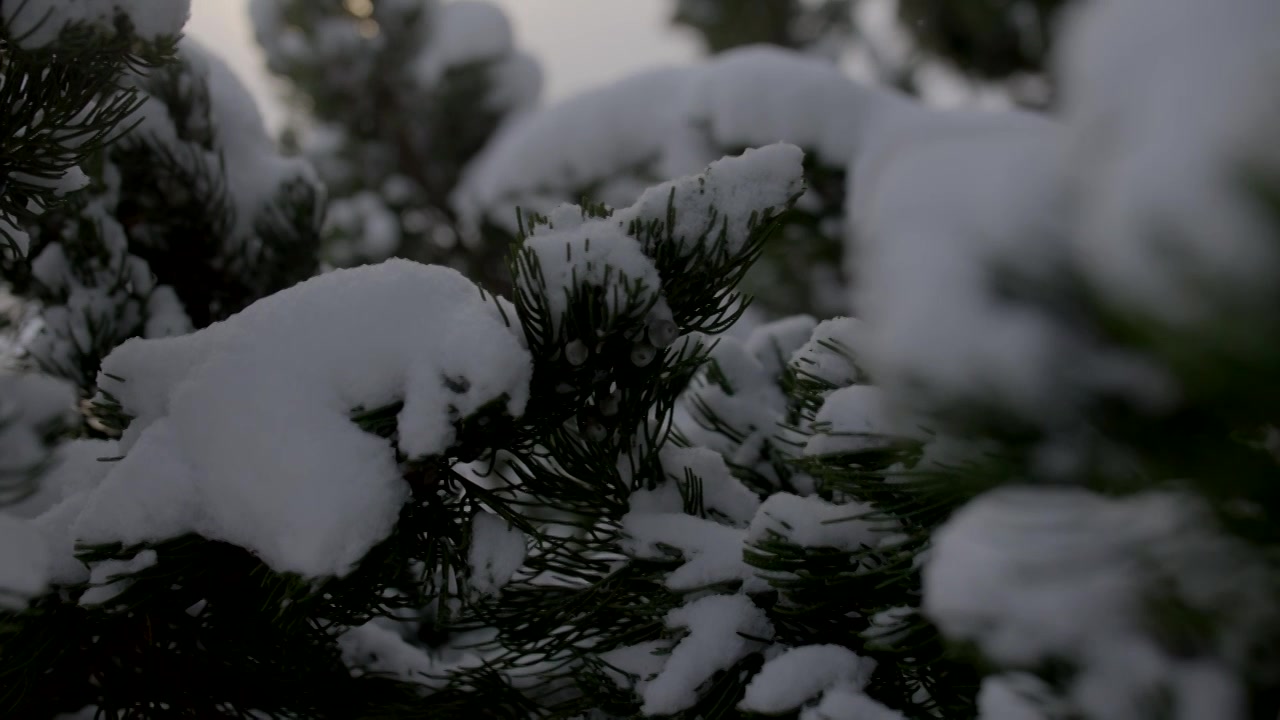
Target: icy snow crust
{"points": [[242, 430]]}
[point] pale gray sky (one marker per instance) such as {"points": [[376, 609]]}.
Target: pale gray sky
{"points": [[580, 43]]}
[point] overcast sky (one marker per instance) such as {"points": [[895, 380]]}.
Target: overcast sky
{"points": [[580, 43]]}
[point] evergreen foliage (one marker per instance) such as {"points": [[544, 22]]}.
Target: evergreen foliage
{"points": [[64, 99], [987, 39], [393, 100], [1033, 479]]}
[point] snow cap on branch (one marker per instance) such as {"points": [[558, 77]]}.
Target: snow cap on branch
{"points": [[36, 23], [242, 431]]}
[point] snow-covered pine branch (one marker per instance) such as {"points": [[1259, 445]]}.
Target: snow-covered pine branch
{"points": [[190, 215], [303, 468], [394, 99]]}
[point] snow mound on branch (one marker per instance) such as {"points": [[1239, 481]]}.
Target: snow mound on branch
{"points": [[940, 210], [24, 562], [240, 147], [722, 629], [497, 552], [242, 430], [614, 142], [812, 522], [729, 197], [1031, 574], [462, 33], [30, 404], [36, 24], [1164, 149], [598, 139]]}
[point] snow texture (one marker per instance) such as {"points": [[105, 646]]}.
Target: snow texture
{"points": [[939, 208], [635, 665], [1163, 153], [76, 465], [110, 577], [812, 522], [723, 495], [852, 419], [30, 406], [712, 552], [24, 562], [801, 674], [847, 704], [254, 170], [1033, 574], [1003, 697], [376, 648], [463, 33], [586, 141], [242, 430], [37, 24], [830, 354], [745, 396], [497, 552], [716, 627], [759, 95], [729, 197], [616, 141]]}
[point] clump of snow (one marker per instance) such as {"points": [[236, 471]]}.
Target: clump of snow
{"points": [[376, 648], [772, 343], [1163, 154], [830, 354], [366, 219], [635, 665], [722, 629], [110, 577], [853, 419], [728, 200], [616, 141], [812, 522], [75, 466], [848, 704], [30, 406], [24, 562], [242, 430], [37, 24], [723, 495], [743, 395], [254, 170], [759, 95], [596, 254], [1035, 574], [939, 208], [166, 317], [540, 160], [731, 196], [463, 32], [1010, 697], [497, 551], [712, 552], [801, 674], [15, 238]]}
